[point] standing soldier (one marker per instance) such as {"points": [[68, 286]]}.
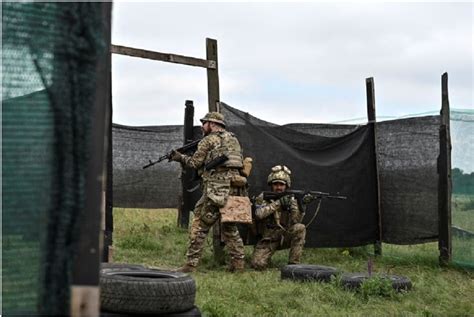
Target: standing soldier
{"points": [[281, 220], [216, 188]]}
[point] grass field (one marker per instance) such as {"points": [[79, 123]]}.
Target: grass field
{"points": [[463, 212], [463, 218], [151, 237]]}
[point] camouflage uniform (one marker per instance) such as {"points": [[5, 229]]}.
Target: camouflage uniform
{"points": [[216, 187], [282, 228]]}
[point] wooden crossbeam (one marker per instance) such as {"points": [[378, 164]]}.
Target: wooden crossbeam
{"points": [[164, 57]]}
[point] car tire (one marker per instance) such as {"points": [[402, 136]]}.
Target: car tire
{"points": [[193, 312], [146, 291], [355, 280], [125, 266], [307, 272]]}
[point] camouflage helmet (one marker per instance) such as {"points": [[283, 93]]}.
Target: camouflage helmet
{"points": [[280, 173], [214, 117]]}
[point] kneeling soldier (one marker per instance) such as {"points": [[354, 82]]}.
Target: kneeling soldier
{"points": [[281, 221]]}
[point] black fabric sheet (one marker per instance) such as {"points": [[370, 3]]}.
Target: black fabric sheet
{"points": [[330, 158], [343, 165], [154, 187], [408, 151]]}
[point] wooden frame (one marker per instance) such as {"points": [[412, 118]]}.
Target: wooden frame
{"points": [[444, 172], [210, 63]]}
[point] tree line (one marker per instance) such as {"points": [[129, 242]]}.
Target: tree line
{"points": [[462, 183]]}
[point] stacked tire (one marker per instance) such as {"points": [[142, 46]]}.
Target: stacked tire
{"points": [[134, 290]]}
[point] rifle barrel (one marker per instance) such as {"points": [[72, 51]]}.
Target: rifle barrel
{"points": [[182, 150]]}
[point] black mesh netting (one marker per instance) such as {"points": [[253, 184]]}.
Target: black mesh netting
{"points": [[155, 187], [339, 164], [324, 157], [408, 150], [49, 68]]}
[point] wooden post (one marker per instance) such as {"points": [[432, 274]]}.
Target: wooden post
{"points": [[370, 89], [213, 100], [85, 299], [444, 172], [108, 219], [212, 75], [186, 173]]}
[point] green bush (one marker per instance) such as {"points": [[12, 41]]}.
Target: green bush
{"points": [[377, 286]]}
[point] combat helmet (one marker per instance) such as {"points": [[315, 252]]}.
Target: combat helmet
{"points": [[280, 173], [214, 117]]}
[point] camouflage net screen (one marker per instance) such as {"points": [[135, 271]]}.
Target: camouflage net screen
{"points": [[323, 157], [49, 66], [462, 139]]}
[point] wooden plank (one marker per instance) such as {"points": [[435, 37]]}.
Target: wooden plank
{"points": [[164, 57], [85, 301], [213, 101], [212, 75], [109, 217], [445, 182], [187, 173], [370, 90]]}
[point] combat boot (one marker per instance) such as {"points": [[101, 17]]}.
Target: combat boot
{"points": [[187, 269], [237, 265]]}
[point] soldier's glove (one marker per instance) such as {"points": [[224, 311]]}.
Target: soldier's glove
{"points": [[275, 204], [176, 156], [285, 202], [308, 198]]}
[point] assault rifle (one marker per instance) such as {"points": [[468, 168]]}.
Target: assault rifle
{"points": [[188, 147], [302, 197], [306, 196]]}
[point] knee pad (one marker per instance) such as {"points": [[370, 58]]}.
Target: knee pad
{"points": [[209, 218], [298, 228]]}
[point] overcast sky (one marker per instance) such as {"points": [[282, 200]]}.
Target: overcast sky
{"points": [[298, 62]]}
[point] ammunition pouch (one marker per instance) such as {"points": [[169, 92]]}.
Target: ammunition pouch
{"points": [[247, 167], [237, 209], [218, 191], [238, 181]]}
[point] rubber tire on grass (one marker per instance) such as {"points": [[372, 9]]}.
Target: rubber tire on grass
{"points": [[193, 312], [355, 280], [307, 272], [146, 291], [125, 266]]}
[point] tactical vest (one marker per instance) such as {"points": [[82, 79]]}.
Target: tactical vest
{"points": [[229, 146]]}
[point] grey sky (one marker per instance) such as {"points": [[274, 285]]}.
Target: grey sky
{"points": [[298, 62]]}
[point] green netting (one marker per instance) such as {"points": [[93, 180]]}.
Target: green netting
{"points": [[49, 65], [462, 156]]}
